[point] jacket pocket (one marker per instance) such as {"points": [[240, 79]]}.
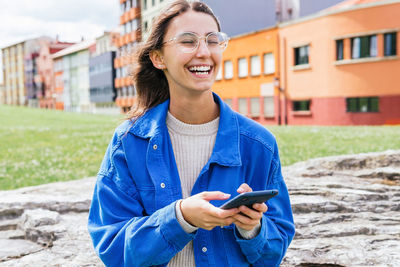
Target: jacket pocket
{"points": [[148, 196]]}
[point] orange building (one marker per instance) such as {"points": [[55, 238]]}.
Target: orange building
{"points": [[341, 66], [131, 35], [249, 74]]}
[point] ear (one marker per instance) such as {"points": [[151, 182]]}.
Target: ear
{"points": [[157, 59]]}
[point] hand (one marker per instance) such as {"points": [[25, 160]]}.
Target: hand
{"points": [[249, 218], [198, 211]]}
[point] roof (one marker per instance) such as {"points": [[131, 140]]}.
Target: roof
{"points": [[342, 7], [74, 48], [351, 3]]}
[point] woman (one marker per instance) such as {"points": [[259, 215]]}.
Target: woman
{"points": [[182, 153]]}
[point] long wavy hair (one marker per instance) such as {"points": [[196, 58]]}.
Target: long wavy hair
{"points": [[150, 83]]}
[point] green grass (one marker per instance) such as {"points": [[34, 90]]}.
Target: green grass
{"points": [[41, 146], [299, 143]]}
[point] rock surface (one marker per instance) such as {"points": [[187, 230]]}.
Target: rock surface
{"points": [[346, 209]]}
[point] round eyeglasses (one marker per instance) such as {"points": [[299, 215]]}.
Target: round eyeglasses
{"points": [[188, 42]]}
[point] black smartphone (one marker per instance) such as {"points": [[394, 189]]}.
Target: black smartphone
{"points": [[249, 198]]}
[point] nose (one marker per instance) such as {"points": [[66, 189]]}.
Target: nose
{"points": [[203, 50]]}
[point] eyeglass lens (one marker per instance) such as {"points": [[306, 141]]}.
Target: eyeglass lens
{"points": [[188, 42]]}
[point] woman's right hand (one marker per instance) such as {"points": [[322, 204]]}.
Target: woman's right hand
{"points": [[198, 211]]}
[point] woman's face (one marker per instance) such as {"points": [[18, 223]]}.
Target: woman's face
{"points": [[193, 72]]}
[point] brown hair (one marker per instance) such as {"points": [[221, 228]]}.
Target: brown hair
{"points": [[151, 84]]}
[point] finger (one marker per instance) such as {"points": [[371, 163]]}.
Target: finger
{"points": [[220, 213], [244, 188], [261, 207], [214, 195], [253, 214], [244, 220]]}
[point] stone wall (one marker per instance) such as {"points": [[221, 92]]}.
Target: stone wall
{"points": [[346, 209]]}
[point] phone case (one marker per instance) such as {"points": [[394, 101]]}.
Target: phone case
{"points": [[249, 198]]}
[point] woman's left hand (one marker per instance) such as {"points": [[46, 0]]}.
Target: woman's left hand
{"points": [[249, 218]]}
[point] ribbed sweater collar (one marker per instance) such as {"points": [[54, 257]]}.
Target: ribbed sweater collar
{"points": [[182, 128]]}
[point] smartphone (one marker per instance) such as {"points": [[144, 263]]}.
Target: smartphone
{"points": [[249, 198]]}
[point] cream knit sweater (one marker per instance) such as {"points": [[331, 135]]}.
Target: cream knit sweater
{"points": [[192, 145]]}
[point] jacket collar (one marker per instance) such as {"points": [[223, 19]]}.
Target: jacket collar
{"points": [[227, 146]]}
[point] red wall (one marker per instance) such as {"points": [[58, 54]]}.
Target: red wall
{"points": [[332, 111]]}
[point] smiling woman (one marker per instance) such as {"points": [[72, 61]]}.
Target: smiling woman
{"points": [[183, 152]]}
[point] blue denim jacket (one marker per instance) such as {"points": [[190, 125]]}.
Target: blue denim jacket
{"points": [[132, 219]]}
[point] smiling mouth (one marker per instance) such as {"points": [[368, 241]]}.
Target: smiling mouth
{"points": [[200, 70]]}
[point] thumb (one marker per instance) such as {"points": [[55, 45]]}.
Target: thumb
{"points": [[244, 188], [214, 195]]}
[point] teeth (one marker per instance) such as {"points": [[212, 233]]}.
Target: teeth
{"points": [[200, 68]]}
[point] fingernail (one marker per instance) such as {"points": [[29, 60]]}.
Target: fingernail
{"points": [[227, 195], [240, 190]]}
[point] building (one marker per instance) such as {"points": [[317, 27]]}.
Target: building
{"points": [[45, 72], [339, 66], [130, 21], [14, 76], [150, 9], [32, 87], [253, 15], [75, 77], [246, 80], [2, 93], [102, 73]]}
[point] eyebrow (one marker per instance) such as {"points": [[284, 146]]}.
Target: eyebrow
{"points": [[197, 33]]}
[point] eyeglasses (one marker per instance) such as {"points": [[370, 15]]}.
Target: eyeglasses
{"points": [[188, 42]]}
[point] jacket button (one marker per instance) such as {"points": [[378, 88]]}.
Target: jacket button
{"points": [[162, 185], [204, 249], [155, 147]]}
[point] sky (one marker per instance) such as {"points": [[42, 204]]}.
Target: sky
{"points": [[69, 19]]}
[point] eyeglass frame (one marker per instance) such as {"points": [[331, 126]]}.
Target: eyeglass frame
{"points": [[198, 42]]}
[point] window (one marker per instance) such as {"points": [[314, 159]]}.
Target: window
{"points": [[255, 66], [269, 63], [134, 24], [362, 104], [269, 107], [228, 68], [243, 67], [219, 75], [390, 44], [144, 4], [145, 26], [255, 106], [153, 2], [243, 106], [301, 55], [301, 105], [364, 46], [339, 49]]}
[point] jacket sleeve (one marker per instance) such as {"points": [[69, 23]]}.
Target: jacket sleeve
{"points": [[122, 234], [277, 226]]}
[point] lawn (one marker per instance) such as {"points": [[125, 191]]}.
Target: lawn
{"points": [[41, 146]]}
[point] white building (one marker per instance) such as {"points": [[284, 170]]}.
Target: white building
{"points": [[150, 10]]}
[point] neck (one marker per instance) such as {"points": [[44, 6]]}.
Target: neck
{"points": [[195, 109]]}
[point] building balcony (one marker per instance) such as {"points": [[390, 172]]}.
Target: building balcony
{"points": [[129, 15], [134, 13]]}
